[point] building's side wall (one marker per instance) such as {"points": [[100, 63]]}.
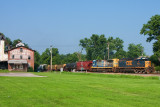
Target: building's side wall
{"points": [[3, 56], [9, 66], [16, 53]]}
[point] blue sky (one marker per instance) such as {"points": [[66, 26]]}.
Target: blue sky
{"points": [[62, 23]]}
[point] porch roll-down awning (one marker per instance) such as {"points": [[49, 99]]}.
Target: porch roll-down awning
{"points": [[17, 61]]}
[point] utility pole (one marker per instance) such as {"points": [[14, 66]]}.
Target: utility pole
{"points": [[81, 59], [81, 54], [142, 53], [108, 49], [51, 57]]}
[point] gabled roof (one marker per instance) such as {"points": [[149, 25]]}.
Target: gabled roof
{"points": [[2, 37], [21, 46]]}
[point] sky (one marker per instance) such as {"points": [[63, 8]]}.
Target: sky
{"points": [[62, 23]]}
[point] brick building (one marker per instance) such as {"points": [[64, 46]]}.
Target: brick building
{"points": [[20, 58]]}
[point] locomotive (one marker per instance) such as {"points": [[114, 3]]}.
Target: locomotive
{"points": [[105, 65], [142, 65]]}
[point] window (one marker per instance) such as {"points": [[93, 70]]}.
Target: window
{"points": [[12, 56], [21, 67], [29, 57], [21, 57], [21, 50]]}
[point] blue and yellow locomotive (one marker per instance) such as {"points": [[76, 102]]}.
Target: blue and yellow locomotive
{"points": [[142, 65]]}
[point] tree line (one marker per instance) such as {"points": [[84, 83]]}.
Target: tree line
{"points": [[96, 47]]}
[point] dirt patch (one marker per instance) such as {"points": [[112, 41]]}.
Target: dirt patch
{"points": [[144, 75], [20, 75]]}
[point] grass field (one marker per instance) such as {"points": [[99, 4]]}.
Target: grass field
{"points": [[79, 90]]}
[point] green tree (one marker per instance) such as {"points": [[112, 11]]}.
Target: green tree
{"points": [[152, 29], [15, 42], [37, 60], [120, 54], [8, 41], [68, 58], [154, 59], [46, 56], [1, 34], [80, 56], [96, 47], [115, 48], [135, 51]]}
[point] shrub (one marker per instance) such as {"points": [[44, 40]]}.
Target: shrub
{"points": [[36, 65], [30, 69], [157, 68], [154, 59]]}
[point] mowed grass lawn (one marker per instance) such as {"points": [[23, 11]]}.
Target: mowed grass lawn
{"points": [[79, 90]]}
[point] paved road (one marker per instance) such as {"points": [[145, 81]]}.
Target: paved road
{"points": [[20, 75]]}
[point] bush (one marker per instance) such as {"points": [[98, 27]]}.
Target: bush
{"points": [[157, 68], [30, 69], [154, 59], [4, 71], [36, 65]]}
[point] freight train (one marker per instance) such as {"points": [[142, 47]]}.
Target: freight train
{"points": [[142, 65]]}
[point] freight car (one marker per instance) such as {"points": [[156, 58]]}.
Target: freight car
{"points": [[84, 65], [70, 67], [53, 68], [42, 67], [58, 67]]}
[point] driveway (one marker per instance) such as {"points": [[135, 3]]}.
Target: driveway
{"points": [[20, 75]]}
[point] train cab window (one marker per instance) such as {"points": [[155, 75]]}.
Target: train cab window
{"points": [[94, 63]]}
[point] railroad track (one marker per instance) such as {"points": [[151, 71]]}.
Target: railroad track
{"points": [[138, 74]]}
